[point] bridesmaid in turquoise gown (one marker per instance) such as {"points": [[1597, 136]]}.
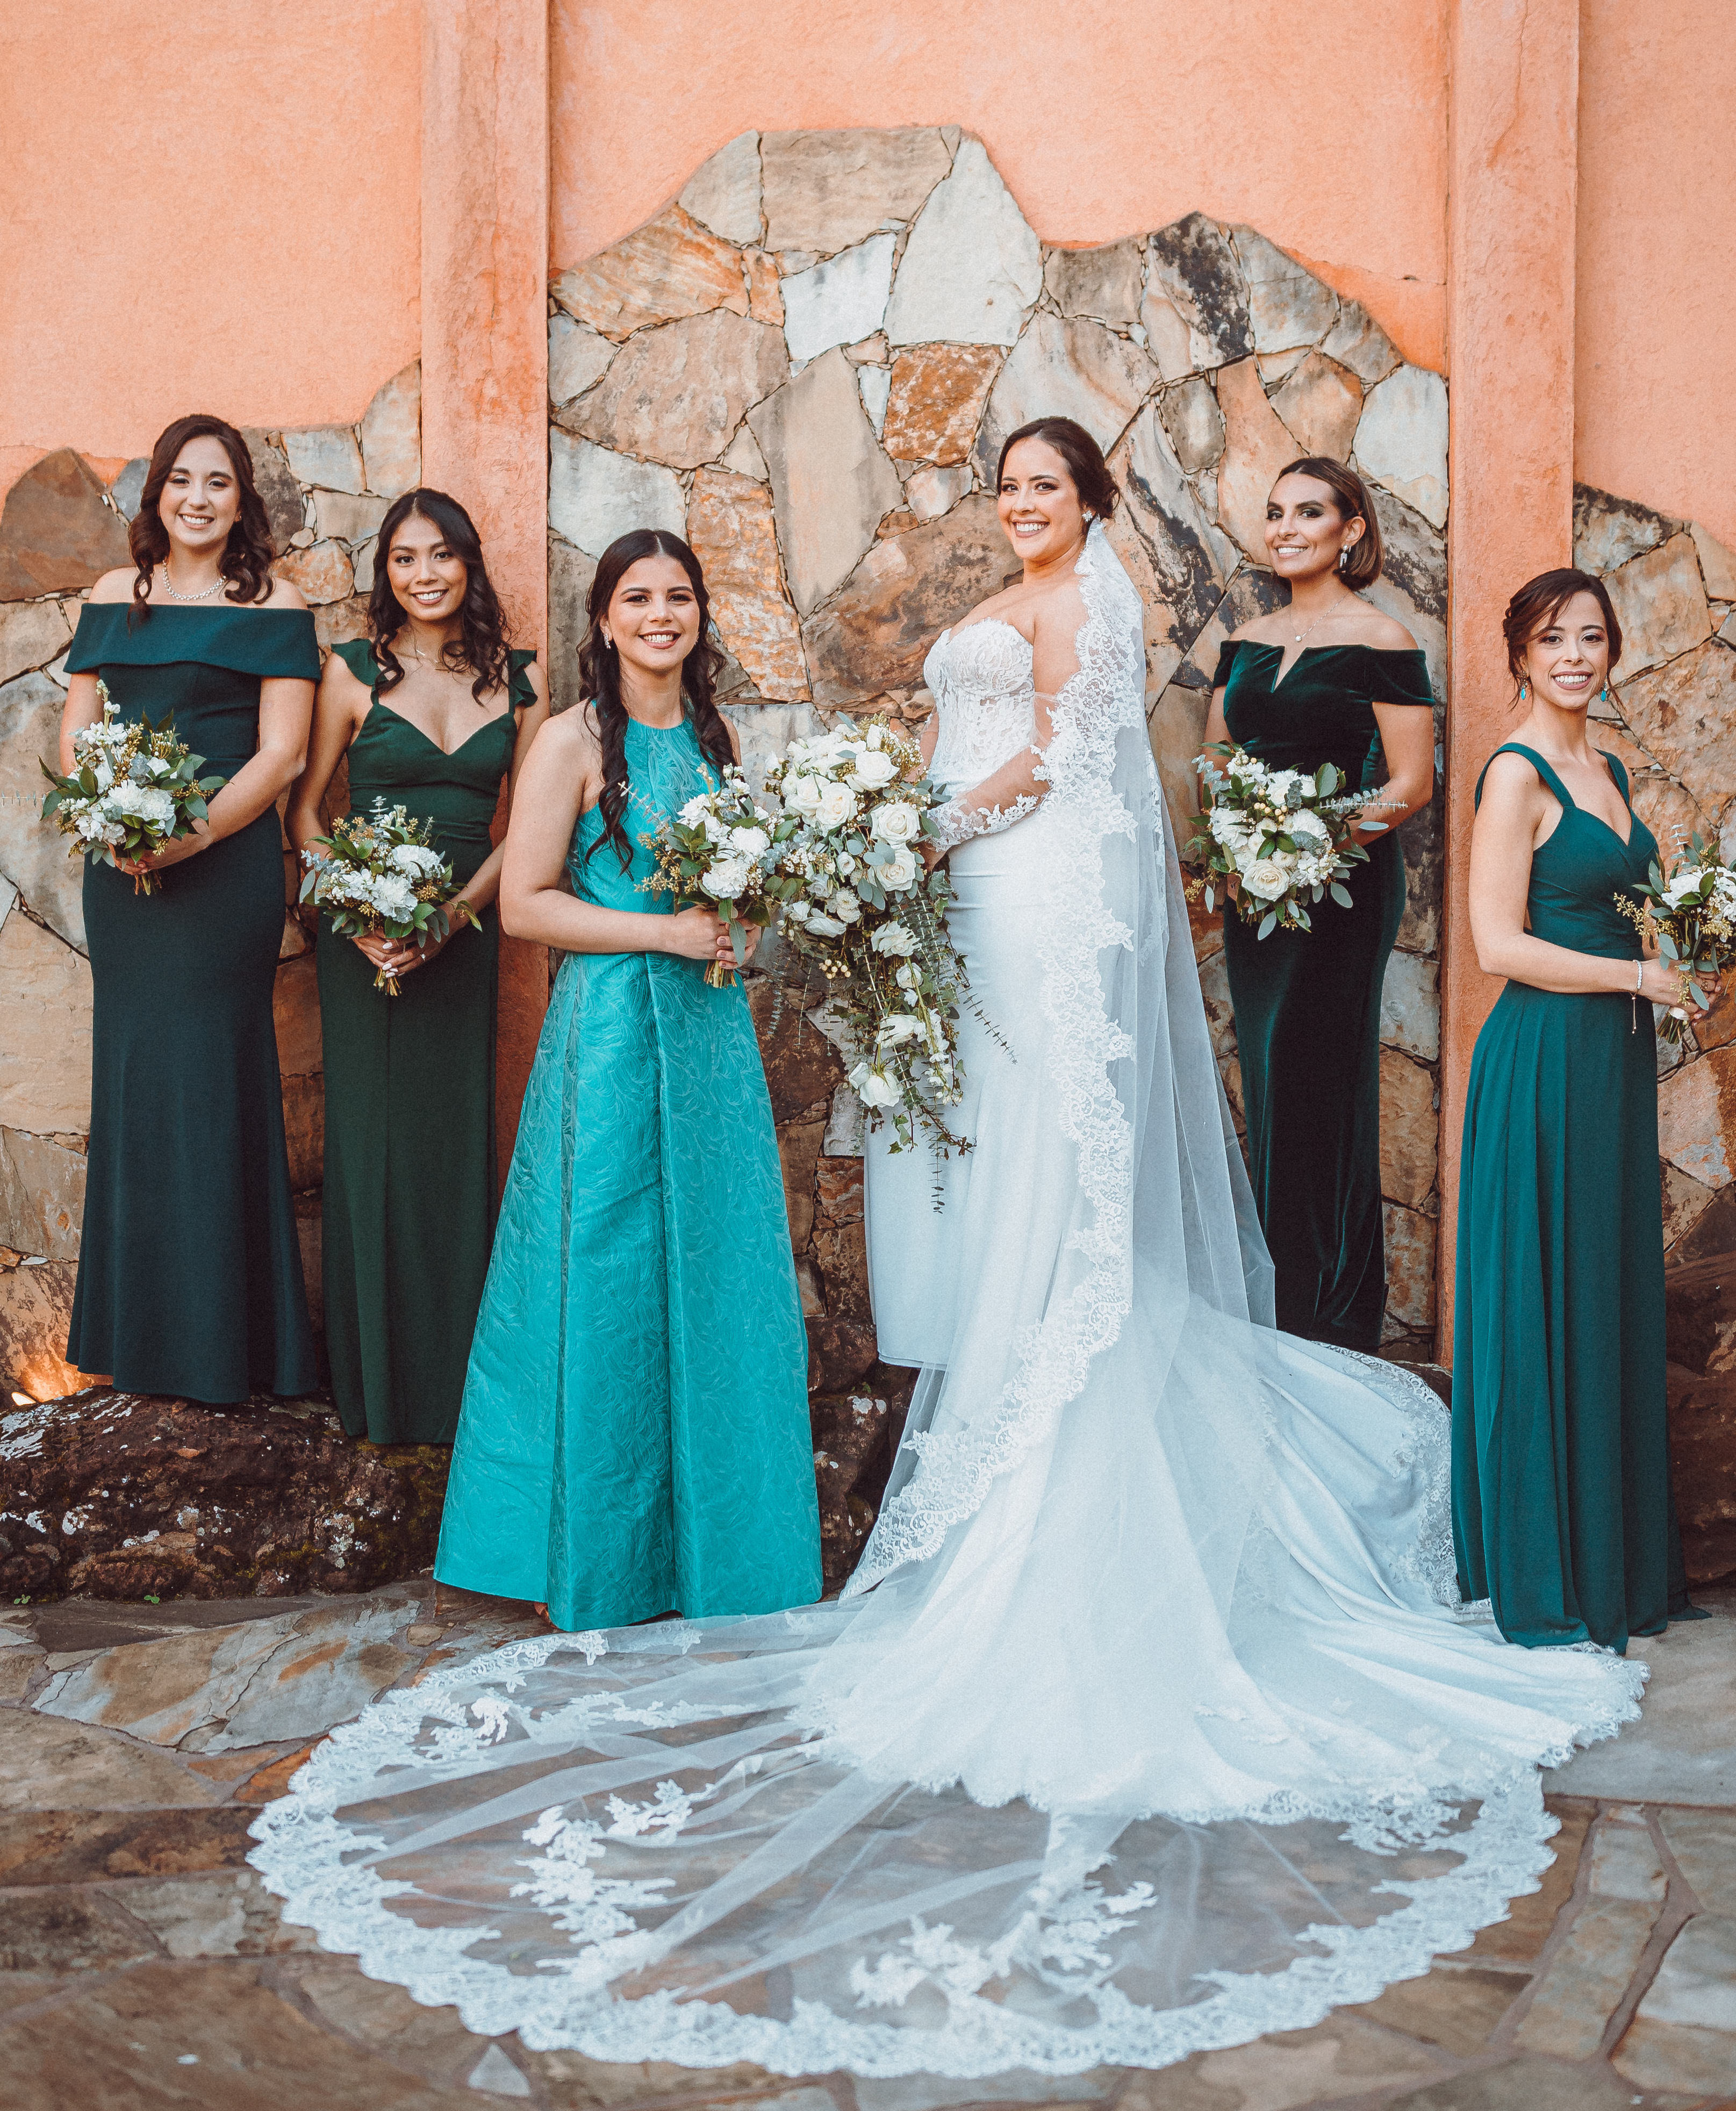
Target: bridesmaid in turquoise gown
{"points": [[1563, 1516], [189, 1270], [1326, 678], [634, 1436]]}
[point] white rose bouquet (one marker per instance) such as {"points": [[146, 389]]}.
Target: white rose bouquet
{"points": [[1693, 913], [717, 852], [136, 788], [857, 899], [383, 875], [1274, 840]]}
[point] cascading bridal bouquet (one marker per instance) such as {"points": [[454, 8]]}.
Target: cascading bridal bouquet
{"points": [[857, 900], [717, 852], [1274, 839], [1693, 913], [382, 876], [136, 788]]}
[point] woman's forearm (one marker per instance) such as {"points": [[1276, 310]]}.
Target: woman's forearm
{"points": [[549, 916], [256, 785], [1520, 958], [483, 884]]}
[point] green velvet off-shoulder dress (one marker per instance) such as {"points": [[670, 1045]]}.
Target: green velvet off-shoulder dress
{"points": [[1308, 1003], [1561, 1506], [409, 1182], [635, 1436], [189, 1270]]}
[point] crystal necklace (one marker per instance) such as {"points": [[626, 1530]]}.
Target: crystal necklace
{"points": [[204, 594]]}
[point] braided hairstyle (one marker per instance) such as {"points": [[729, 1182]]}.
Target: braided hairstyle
{"points": [[599, 673]]}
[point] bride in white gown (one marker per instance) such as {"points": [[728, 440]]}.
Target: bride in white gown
{"points": [[1148, 1723]]}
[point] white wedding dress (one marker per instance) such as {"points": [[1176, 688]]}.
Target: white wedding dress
{"points": [[1148, 1723]]}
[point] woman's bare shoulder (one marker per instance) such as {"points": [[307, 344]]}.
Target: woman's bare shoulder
{"points": [[116, 585]]}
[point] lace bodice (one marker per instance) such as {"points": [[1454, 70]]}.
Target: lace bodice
{"points": [[985, 694]]}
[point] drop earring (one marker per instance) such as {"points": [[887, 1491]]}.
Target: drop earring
{"points": [[1344, 559]]}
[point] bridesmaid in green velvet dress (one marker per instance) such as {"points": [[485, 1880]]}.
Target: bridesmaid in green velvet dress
{"points": [[1562, 1510], [635, 1436], [190, 1272], [1327, 679], [433, 715]]}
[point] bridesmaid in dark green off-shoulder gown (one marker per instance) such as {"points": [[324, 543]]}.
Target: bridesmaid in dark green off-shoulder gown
{"points": [[190, 1272], [1562, 1509], [409, 1197], [1326, 680]]}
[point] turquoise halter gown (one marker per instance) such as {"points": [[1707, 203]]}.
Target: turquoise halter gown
{"points": [[1561, 1506], [634, 1435]]}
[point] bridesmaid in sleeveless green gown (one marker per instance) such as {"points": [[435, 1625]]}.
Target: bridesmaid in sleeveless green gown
{"points": [[1563, 1517], [189, 1276], [1307, 1004], [410, 1184], [635, 1436]]}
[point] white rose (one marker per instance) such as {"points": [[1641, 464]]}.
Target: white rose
{"points": [[845, 907], [846, 864], [727, 878], [909, 977], [896, 822], [835, 805], [893, 938], [822, 925], [897, 1027], [750, 842], [898, 874], [694, 811], [1266, 880], [873, 1088], [872, 770]]}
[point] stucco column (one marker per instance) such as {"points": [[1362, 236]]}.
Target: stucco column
{"points": [[1512, 175], [486, 352]]}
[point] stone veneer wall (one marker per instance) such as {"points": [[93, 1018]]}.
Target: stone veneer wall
{"points": [[807, 366], [326, 489]]}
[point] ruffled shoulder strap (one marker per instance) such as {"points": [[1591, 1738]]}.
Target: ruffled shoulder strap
{"points": [[520, 693], [357, 655]]}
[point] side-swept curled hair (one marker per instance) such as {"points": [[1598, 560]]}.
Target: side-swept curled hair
{"points": [[1363, 559], [1538, 604], [484, 636], [599, 673], [246, 562], [1098, 491]]}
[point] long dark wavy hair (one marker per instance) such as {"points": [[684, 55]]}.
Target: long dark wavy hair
{"points": [[599, 672], [484, 642], [246, 562]]}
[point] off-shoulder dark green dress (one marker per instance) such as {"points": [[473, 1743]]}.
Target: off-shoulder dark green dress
{"points": [[1561, 1506], [410, 1180], [190, 1272], [1308, 1003]]}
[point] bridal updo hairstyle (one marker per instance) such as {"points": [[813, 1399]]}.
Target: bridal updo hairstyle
{"points": [[246, 562], [484, 636], [1351, 502], [599, 675], [1098, 491], [1538, 604]]}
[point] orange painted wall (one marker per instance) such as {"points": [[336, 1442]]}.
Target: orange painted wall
{"points": [[209, 206], [1655, 355], [1323, 124]]}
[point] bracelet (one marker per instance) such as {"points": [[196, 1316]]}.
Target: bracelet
{"points": [[1640, 970]]}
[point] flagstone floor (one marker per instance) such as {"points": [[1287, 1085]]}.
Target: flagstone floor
{"points": [[143, 1969]]}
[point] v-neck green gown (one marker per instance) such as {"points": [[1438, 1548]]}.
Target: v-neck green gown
{"points": [[1308, 1003], [409, 1180], [635, 1436], [189, 1271], [1561, 1507]]}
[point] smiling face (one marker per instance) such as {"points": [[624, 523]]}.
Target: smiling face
{"points": [[429, 580], [652, 618], [200, 499], [1038, 503], [1567, 662], [1304, 530]]}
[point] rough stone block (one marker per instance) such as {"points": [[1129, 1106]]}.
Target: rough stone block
{"points": [[578, 358], [1287, 305], [323, 572], [571, 573], [972, 265], [1607, 531], [1660, 605], [840, 302], [128, 488], [731, 527], [1358, 341], [1696, 1116], [672, 266], [1195, 424], [932, 492], [1683, 716], [295, 1011], [1409, 1129], [392, 434], [823, 191], [1168, 338], [57, 535], [1401, 440], [1717, 563], [326, 455], [1107, 284], [342, 518], [1410, 1266], [1177, 725], [1194, 266], [1320, 403], [936, 401], [42, 1196], [1410, 1006], [1587, 1978], [723, 194], [34, 856], [286, 506], [595, 495], [831, 483], [45, 998], [1068, 369], [676, 393], [798, 1152], [1256, 448], [1161, 505], [35, 1309], [32, 632]]}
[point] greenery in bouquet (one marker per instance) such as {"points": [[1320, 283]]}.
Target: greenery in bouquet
{"points": [[1692, 915], [135, 788], [717, 853], [858, 901], [1274, 842], [382, 875]]}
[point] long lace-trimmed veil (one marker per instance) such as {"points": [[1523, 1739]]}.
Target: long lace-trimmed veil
{"points": [[1147, 1723]]}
